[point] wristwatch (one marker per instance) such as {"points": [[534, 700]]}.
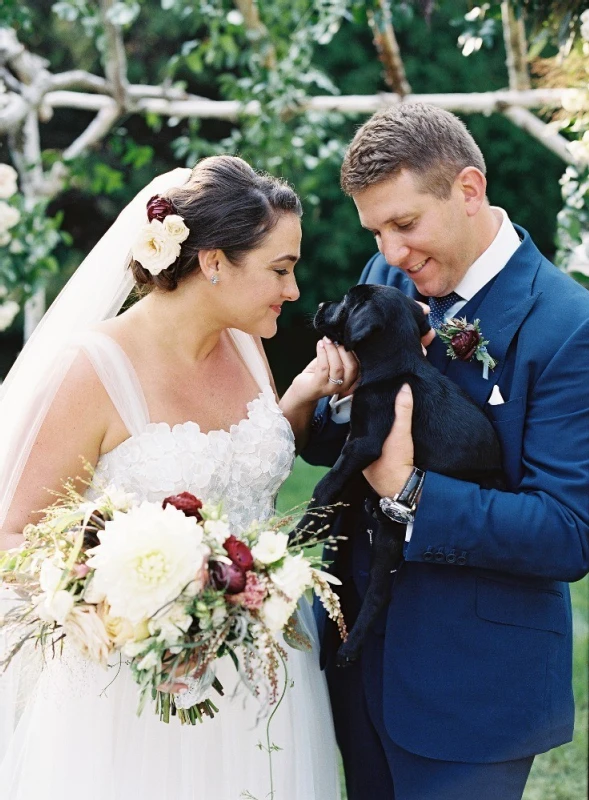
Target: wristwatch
{"points": [[401, 507]]}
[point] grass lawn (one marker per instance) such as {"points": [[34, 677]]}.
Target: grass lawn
{"points": [[560, 774]]}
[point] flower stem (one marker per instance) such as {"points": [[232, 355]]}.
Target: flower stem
{"points": [[269, 746]]}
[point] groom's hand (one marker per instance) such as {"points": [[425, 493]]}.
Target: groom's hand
{"points": [[389, 473]]}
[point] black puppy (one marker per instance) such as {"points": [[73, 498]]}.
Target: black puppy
{"points": [[451, 434]]}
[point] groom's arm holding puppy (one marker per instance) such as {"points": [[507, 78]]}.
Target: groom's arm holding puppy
{"points": [[541, 527]]}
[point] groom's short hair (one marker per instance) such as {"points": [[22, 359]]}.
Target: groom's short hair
{"points": [[428, 141]]}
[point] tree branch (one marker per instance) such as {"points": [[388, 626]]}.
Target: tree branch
{"points": [[79, 79], [516, 48], [530, 123], [194, 106], [115, 59], [95, 132], [387, 47]]}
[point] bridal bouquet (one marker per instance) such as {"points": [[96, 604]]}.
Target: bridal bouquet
{"points": [[166, 588]]}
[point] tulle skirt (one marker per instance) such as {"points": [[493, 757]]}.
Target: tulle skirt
{"points": [[80, 737]]}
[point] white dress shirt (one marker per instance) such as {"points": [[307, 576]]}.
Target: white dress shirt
{"points": [[484, 269]]}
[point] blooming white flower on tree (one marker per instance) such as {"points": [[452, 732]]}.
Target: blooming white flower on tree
{"points": [[8, 312], [9, 217], [145, 559], [8, 181]]}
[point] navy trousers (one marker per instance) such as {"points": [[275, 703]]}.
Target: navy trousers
{"points": [[378, 769]]}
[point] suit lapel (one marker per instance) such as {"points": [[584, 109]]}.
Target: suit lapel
{"points": [[501, 313]]}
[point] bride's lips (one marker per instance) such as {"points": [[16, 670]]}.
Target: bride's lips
{"points": [[276, 309]]}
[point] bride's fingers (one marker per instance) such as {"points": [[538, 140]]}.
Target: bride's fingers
{"points": [[351, 369], [336, 366]]}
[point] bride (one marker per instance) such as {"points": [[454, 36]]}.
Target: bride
{"points": [[172, 395]]}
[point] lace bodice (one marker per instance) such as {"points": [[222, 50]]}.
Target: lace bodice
{"points": [[243, 467]]}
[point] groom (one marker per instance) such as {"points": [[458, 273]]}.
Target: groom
{"points": [[468, 673]]}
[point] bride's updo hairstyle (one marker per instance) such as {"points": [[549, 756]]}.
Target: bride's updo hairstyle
{"points": [[227, 206]]}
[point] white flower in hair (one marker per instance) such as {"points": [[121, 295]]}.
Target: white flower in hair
{"points": [[155, 248], [176, 227], [8, 178]]}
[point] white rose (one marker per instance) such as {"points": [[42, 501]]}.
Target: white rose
{"points": [[154, 248], [293, 577], [8, 178], [85, 630], [276, 612], [8, 312], [9, 217], [175, 226], [145, 559], [270, 547], [119, 630]]}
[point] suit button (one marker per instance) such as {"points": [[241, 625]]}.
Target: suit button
{"points": [[451, 557], [461, 560], [440, 556], [428, 555]]}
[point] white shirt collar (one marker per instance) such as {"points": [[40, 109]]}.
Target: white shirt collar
{"points": [[492, 261]]}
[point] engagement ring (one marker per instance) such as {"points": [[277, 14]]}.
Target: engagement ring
{"points": [[337, 381]]}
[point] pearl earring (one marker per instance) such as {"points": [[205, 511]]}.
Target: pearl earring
{"points": [[215, 280]]}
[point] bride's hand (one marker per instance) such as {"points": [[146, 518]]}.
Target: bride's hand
{"points": [[333, 371]]}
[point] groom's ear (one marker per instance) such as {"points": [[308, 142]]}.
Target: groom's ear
{"points": [[363, 321]]}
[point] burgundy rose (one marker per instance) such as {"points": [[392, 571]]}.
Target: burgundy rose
{"points": [[230, 578], [239, 553], [159, 208], [185, 502], [465, 343]]}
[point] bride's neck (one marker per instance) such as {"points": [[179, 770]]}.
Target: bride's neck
{"points": [[178, 323]]}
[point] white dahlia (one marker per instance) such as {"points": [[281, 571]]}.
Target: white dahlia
{"points": [[145, 559]]}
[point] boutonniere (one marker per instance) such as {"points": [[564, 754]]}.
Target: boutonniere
{"points": [[465, 341]]}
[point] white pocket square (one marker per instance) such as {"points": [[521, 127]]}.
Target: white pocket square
{"points": [[496, 399]]}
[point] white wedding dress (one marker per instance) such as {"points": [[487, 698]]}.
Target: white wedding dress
{"points": [[79, 735]]}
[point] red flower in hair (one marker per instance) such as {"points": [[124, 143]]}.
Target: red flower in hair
{"points": [[159, 208]]}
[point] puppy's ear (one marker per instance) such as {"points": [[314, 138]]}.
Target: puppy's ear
{"points": [[421, 319], [362, 322]]}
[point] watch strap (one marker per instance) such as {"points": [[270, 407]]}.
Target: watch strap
{"points": [[408, 494]]}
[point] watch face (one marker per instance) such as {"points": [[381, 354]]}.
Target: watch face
{"points": [[396, 511]]}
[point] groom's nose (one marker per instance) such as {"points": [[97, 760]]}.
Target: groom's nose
{"points": [[393, 248]]}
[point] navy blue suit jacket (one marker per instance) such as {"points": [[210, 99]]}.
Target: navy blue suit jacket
{"points": [[478, 645]]}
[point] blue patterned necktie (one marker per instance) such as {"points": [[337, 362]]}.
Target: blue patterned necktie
{"points": [[438, 306]]}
